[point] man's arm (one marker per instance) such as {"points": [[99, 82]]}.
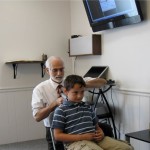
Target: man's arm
{"points": [[45, 111], [95, 83]]}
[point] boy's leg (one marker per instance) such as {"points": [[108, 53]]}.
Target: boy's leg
{"points": [[83, 145], [109, 143]]}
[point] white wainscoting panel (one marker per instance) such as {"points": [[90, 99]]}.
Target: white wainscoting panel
{"points": [[17, 123], [132, 113]]}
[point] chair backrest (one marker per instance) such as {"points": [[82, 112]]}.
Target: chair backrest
{"points": [[51, 118], [107, 129], [51, 130], [56, 144]]}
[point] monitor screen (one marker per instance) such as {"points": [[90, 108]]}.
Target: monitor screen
{"points": [[107, 14], [97, 72]]}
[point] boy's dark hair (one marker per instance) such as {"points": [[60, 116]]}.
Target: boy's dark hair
{"points": [[71, 80]]}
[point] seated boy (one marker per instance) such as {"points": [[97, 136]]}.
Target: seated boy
{"points": [[75, 123]]}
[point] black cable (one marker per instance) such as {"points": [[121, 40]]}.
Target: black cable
{"points": [[74, 66], [114, 112]]}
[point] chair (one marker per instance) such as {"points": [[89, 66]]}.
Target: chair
{"points": [[52, 135], [51, 131], [107, 129]]}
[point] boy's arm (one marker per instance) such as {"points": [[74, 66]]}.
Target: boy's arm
{"points": [[63, 137]]}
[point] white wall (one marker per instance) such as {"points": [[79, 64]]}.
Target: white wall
{"points": [[28, 28], [126, 51], [17, 123]]}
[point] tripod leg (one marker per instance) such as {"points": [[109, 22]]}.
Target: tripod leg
{"points": [[112, 118]]}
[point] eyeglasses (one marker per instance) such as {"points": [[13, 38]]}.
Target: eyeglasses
{"points": [[56, 70]]}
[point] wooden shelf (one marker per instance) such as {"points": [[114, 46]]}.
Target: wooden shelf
{"points": [[15, 65]]}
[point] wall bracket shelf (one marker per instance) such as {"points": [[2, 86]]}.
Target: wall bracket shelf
{"points": [[15, 65], [85, 45]]}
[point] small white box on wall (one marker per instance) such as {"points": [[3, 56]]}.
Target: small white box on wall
{"points": [[85, 45]]}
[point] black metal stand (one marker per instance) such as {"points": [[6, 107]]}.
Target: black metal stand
{"points": [[109, 114]]}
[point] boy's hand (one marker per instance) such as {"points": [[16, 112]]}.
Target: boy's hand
{"points": [[99, 135]]}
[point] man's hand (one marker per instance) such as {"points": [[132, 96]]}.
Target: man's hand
{"points": [[59, 101]]}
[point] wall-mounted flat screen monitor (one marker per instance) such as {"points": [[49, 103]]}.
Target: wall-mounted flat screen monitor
{"points": [[108, 14]]}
